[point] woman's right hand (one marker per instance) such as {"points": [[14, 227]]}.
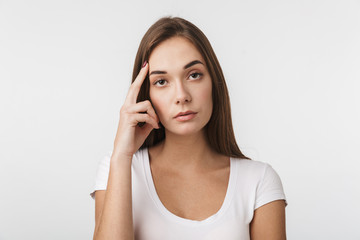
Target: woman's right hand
{"points": [[130, 136]]}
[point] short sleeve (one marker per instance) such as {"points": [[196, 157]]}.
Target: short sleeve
{"points": [[102, 174], [270, 188]]}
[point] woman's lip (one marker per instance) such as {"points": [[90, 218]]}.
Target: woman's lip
{"points": [[184, 113], [186, 117]]}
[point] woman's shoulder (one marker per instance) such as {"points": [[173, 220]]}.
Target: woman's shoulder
{"points": [[249, 163], [253, 168], [260, 178]]}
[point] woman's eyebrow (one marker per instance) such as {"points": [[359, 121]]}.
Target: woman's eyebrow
{"points": [[185, 67], [192, 63]]}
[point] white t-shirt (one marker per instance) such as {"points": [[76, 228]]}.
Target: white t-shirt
{"points": [[251, 185]]}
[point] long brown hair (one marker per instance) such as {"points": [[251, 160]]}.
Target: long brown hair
{"points": [[219, 129]]}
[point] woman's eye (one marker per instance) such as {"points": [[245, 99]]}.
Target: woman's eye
{"points": [[196, 75], [160, 82]]}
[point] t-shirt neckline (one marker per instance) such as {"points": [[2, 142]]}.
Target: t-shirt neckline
{"points": [[225, 205]]}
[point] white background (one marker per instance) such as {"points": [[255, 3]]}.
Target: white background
{"points": [[292, 69]]}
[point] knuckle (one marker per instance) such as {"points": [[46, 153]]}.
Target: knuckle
{"points": [[124, 109], [148, 103]]}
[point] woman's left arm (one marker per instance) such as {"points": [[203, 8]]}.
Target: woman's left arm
{"points": [[268, 222]]}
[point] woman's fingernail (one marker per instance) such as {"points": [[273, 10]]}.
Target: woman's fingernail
{"points": [[144, 64]]}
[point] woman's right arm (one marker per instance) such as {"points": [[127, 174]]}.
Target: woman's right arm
{"points": [[113, 206]]}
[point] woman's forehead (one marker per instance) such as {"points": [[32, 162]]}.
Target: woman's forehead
{"points": [[175, 52]]}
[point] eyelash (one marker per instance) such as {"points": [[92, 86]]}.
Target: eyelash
{"points": [[195, 73]]}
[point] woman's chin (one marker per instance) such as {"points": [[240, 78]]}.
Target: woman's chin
{"points": [[184, 130]]}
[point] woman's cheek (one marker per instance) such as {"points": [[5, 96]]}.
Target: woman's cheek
{"points": [[206, 98], [206, 93]]}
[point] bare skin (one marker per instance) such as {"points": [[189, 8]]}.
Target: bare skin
{"points": [[191, 192], [269, 222], [185, 169]]}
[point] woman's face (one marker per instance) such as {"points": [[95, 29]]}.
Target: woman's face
{"points": [[180, 82]]}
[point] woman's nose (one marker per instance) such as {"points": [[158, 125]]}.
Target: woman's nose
{"points": [[182, 94]]}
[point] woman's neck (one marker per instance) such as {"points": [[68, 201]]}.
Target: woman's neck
{"points": [[190, 152]]}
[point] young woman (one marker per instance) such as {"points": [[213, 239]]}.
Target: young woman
{"points": [[175, 171]]}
